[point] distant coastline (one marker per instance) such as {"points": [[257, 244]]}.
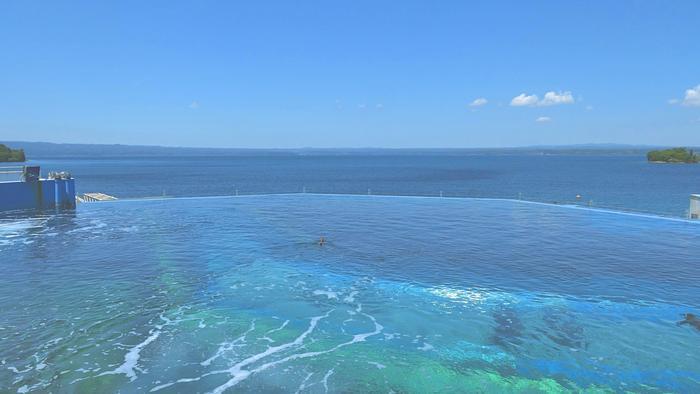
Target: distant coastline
{"points": [[66, 150]]}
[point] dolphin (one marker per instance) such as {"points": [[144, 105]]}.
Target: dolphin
{"points": [[691, 319]]}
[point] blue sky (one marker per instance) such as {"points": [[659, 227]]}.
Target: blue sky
{"points": [[351, 73]]}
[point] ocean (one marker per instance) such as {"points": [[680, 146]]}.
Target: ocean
{"points": [[620, 182], [223, 285]]}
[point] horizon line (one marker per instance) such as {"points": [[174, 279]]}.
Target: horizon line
{"points": [[592, 145]]}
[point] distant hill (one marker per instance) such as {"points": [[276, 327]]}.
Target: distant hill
{"points": [[8, 154], [53, 150]]}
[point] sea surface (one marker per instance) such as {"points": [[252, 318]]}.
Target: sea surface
{"points": [[624, 182], [207, 276], [407, 295]]}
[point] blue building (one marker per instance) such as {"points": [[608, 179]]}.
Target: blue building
{"points": [[28, 190]]}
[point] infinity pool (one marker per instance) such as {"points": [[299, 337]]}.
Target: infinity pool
{"points": [[407, 295]]}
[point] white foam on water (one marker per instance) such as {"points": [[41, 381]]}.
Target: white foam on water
{"points": [[183, 380], [325, 378], [426, 347], [227, 346], [15, 370], [351, 297], [52, 342], [245, 374], [14, 226], [237, 370], [279, 328], [18, 231], [95, 224], [303, 385], [26, 389], [239, 374], [331, 295], [131, 358], [376, 364]]}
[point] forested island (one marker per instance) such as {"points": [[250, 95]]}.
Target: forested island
{"points": [[11, 155], [675, 155]]}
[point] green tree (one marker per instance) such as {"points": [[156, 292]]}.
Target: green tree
{"points": [[674, 155], [11, 155]]}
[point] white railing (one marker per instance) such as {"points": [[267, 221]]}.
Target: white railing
{"points": [[11, 173]]}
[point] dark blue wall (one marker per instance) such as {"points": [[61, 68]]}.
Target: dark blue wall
{"points": [[40, 194]]}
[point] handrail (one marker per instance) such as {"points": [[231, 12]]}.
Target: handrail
{"points": [[12, 173]]}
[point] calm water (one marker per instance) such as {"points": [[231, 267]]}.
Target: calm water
{"points": [[408, 295], [618, 182]]}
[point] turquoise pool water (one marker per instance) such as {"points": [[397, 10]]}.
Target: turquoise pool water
{"points": [[407, 295]]}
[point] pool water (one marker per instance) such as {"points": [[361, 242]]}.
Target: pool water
{"points": [[407, 295]]}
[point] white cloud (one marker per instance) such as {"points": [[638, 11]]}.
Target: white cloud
{"points": [[673, 101], [692, 97], [543, 119], [589, 108], [524, 100], [553, 98], [478, 102], [550, 98], [379, 106], [194, 104]]}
